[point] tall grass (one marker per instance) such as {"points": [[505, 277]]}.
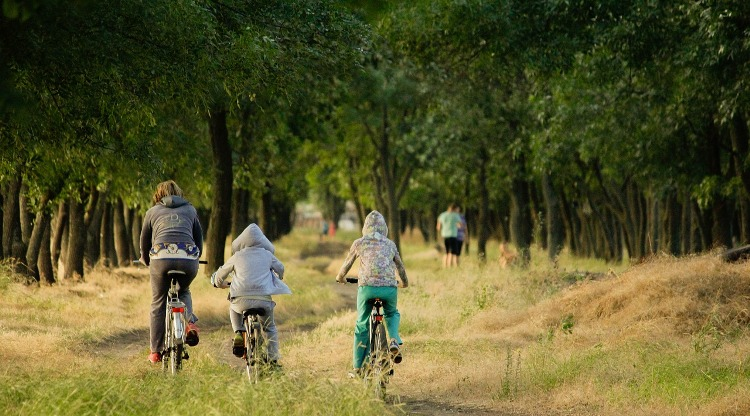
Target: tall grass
{"points": [[668, 337]]}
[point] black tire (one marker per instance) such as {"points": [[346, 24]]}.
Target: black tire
{"points": [[253, 353], [175, 361], [379, 360], [168, 331]]}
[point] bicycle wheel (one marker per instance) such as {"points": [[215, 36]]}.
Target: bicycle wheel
{"points": [[178, 346], [175, 361], [253, 345], [379, 360], [168, 331]]}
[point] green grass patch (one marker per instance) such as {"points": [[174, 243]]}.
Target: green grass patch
{"points": [[206, 388]]}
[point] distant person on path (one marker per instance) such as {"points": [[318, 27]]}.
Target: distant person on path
{"points": [[324, 230], [447, 225], [379, 261], [462, 234], [255, 274], [171, 239]]}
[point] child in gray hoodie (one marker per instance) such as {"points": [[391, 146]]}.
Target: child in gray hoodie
{"points": [[255, 275]]}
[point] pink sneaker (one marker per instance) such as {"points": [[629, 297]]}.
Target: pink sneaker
{"points": [[192, 335], [154, 358]]}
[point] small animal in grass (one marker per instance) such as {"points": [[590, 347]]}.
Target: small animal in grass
{"points": [[507, 256]]}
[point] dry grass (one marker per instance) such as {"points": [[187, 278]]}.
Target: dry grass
{"points": [[665, 337]]}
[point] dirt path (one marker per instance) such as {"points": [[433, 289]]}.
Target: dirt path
{"points": [[216, 340]]}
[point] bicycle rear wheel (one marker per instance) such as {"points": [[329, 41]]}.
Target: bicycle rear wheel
{"points": [[253, 344], [168, 331], [379, 360], [175, 361]]}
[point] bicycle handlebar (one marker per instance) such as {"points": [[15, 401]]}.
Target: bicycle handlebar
{"points": [[137, 262], [350, 279]]}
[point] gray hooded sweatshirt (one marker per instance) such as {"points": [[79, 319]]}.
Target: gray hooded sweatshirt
{"points": [[174, 220], [252, 262]]}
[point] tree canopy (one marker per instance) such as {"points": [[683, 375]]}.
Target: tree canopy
{"points": [[611, 129]]}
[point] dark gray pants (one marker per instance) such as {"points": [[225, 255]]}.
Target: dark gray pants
{"points": [[159, 288]]}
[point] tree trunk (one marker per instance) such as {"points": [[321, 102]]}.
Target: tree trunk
{"points": [[59, 234], [555, 228], [483, 216], [41, 226], [361, 214], [719, 221], [265, 215], [388, 176], [44, 261], [674, 214], [571, 223], [686, 226], [122, 241], [76, 241], [24, 214], [11, 220], [720, 229], [219, 222], [704, 229], [93, 221], [520, 216], [654, 219], [240, 217], [740, 136], [135, 233], [107, 254], [129, 215]]}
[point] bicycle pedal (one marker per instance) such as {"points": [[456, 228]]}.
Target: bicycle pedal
{"points": [[185, 356]]}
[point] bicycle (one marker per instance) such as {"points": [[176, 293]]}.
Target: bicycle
{"points": [[175, 324], [256, 355], [379, 366], [176, 321]]}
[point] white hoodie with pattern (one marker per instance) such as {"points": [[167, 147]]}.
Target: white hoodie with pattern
{"points": [[379, 258]]}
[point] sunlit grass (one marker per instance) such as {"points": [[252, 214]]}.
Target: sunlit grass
{"points": [[667, 336]]}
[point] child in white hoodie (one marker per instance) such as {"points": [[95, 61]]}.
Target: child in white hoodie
{"points": [[255, 275]]}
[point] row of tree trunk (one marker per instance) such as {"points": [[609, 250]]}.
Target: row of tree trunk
{"points": [[59, 243]]}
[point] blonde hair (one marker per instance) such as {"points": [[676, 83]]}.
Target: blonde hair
{"points": [[166, 188]]}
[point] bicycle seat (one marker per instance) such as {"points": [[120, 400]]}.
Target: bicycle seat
{"points": [[173, 272], [254, 311]]}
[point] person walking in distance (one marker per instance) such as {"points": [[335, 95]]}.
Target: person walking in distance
{"points": [[462, 235], [447, 225], [171, 239]]}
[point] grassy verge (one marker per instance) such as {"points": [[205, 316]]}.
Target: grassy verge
{"points": [[668, 337]]}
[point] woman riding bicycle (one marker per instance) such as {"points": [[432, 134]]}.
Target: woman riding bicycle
{"points": [[171, 239], [379, 260]]}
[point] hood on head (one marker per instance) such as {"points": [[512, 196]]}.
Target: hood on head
{"points": [[252, 236], [173, 201], [375, 223]]}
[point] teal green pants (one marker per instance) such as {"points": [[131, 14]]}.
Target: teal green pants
{"points": [[365, 298]]}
